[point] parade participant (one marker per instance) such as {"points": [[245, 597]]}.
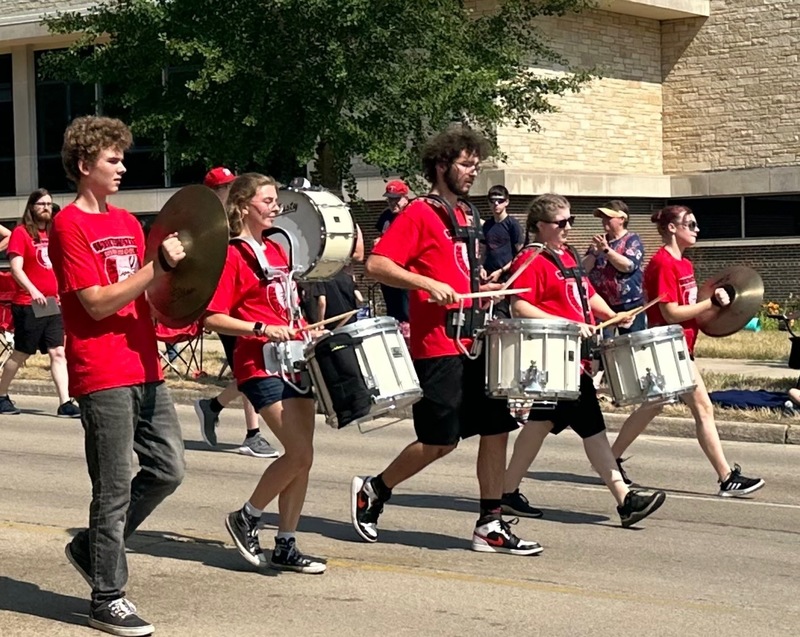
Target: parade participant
{"points": [[254, 302], [430, 251], [670, 276], [559, 290], [208, 409], [395, 299], [37, 317], [97, 252]]}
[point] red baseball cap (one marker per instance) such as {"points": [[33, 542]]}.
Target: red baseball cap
{"points": [[217, 177], [396, 188]]}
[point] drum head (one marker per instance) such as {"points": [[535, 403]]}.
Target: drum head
{"points": [[302, 220]]}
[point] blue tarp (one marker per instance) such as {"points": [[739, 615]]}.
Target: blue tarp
{"points": [[751, 399]]}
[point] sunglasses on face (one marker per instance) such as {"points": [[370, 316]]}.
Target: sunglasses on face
{"points": [[496, 201], [563, 223], [692, 225]]}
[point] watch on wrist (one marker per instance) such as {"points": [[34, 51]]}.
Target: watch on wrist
{"points": [[606, 250], [258, 329]]}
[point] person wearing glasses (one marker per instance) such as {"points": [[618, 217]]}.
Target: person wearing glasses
{"points": [[670, 276], [504, 238], [37, 317], [430, 251], [614, 262], [559, 289]]}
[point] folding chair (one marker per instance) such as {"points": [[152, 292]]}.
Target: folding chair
{"points": [[183, 352], [8, 287]]}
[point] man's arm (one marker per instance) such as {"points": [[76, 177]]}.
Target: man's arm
{"points": [[20, 277], [322, 306]]}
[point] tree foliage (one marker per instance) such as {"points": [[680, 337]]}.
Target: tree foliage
{"points": [[274, 83]]}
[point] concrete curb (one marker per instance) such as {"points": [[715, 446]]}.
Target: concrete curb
{"points": [[774, 433]]}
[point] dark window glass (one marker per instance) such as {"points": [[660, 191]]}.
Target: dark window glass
{"points": [[718, 218], [7, 167], [772, 216]]}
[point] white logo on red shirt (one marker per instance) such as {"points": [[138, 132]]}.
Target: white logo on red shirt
{"points": [[42, 257], [688, 288], [276, 298], [121, 258], [461, 257], [574, 297]]}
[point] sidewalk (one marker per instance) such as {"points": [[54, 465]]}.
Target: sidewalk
{"points": [[765, 369]]}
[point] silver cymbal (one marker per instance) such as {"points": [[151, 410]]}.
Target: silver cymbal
{"points": [[745, 287]]}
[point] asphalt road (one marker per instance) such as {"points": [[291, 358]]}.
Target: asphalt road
{"points": [[700, 566]]}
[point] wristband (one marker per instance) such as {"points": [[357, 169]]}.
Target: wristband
{"points": [[258, 328], [162, 261]]}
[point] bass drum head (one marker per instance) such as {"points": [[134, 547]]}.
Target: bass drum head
{"points": [[302, 220]]}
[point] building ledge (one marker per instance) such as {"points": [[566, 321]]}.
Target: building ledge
{"points": [[748, 242], [734, 183], [659, 9]]}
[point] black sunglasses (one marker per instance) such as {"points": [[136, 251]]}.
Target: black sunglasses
{"points": [[563, 223], [497, 200], [692, 225]]}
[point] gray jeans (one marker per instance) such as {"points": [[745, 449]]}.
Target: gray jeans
{"points": [[139, 418]]}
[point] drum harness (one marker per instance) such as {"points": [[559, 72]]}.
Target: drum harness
{"points": [[285, 354], [472, 320]]}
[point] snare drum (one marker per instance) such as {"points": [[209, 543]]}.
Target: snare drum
{"points": [[533, 359], [651, 366], [322, 230], [362, 371]]}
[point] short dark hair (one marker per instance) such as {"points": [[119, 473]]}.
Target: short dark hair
{"points": [[498, 190], [446, 147]]}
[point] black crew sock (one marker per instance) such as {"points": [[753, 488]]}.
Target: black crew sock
{"points": [[381, 490], [215, 406], [490, 508], [252, 432]]}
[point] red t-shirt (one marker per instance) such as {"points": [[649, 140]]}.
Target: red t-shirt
{"points": [[243, 295], [420, 241], [550, 292], [673, 280], [35, 264], [101, 249]]}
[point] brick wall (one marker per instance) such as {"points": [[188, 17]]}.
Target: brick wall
{"points": [[730, 87]]}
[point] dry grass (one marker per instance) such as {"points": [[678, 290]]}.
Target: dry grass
{"points": [[766, 345]]}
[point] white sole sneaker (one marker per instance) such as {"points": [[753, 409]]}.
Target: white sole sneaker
{"points": [[740, 492], [247, 451], [242, 550], [482, 546], [355, 487]]}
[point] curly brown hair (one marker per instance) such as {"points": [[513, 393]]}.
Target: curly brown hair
{"points": [[446, 147], [544, 208], [243, 189], [86, 137]]}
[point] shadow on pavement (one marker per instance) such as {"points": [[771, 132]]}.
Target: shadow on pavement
{"points": [[28, 599], [199, 445], [559, 476]]}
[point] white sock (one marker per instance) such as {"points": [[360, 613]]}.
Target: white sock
{"points": [[252, 511], [285, 535]]}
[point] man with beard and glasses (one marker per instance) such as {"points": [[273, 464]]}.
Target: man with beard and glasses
{"points": [[431, 251], [37, 317]]}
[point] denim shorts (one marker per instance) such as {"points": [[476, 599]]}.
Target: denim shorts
{"points": [[265, 391]]}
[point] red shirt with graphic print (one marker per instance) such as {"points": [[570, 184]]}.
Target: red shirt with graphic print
{"points": [[35, 264], [243, 295], [550, 292], [89, 249], [673, 280], [420, 241]]}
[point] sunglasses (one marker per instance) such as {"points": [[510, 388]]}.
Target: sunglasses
{"points": [[692, 225], [496, 200], [563, 223]]}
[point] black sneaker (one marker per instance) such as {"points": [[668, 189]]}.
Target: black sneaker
{"points": [[365, 508], [78, 559], [118, 617], [494, 535], [517, 504], [7, 407], [622, 471], [244, 532], [68, 410], [208, 421], [287, 557], [638, 506], [738, 485]]}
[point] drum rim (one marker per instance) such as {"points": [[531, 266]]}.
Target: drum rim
{"points": [[644, 337], [513, 325]]}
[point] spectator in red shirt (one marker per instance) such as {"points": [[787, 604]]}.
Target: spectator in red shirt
{"points": [[37, 325], [670, 275], [559, 289], [423, 252], [255, 302], [114, 368], [219, 180]]}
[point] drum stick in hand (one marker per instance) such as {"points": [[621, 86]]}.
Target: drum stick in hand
{"points": [[624, 316], [521, 268], [487, 294], [339, 317]]}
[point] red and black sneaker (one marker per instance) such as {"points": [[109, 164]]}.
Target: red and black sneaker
{"points": [[493, 535], [365, 508]]}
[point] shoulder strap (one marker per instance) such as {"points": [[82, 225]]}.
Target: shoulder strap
{"points": [[576, 273]]}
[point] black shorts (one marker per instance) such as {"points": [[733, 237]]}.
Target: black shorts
{"points": [[33, 334], [583, 415], [454, 403], [263, 392], [228, 344]]}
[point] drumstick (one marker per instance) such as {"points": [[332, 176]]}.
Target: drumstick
{"points": [[527, 262], [338, 317], [622, 316], [487, 294]]}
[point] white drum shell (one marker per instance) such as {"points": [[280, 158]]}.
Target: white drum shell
{"points": [[651, 366], [519, 348], [385, 364], [322, 229]]}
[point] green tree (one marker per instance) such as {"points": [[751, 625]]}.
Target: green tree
{"points": [[272, 84]]}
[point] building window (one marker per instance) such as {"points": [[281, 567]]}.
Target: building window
{"points": [[772, 216], [7, 166], [718, 218]]}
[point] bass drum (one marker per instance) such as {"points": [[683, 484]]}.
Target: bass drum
{"points": [[322, 232]]}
